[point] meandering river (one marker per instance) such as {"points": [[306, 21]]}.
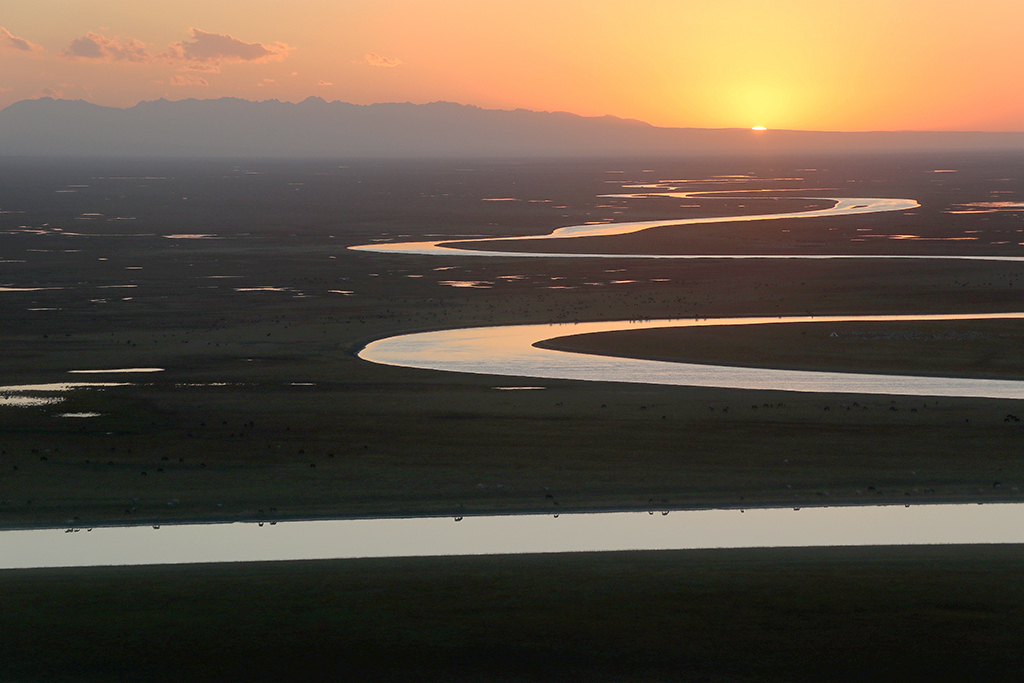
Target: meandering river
{"points": [[842, 206], [511, 350]]}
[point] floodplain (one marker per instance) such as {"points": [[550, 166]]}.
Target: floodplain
{"points": [[236, 281], [256, 314]]}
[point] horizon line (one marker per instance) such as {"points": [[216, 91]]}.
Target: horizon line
{"points": [[753, 129]]}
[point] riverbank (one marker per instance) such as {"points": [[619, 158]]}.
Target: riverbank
{"points": [[967, 348], [270, 450]]}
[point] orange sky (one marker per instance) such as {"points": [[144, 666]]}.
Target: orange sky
{"points": [[803, 64]]}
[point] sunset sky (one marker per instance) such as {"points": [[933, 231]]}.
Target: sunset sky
{"points": [[800, 64]]}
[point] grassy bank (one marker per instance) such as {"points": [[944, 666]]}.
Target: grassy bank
{"points": [[838, 614], [968, 348]]}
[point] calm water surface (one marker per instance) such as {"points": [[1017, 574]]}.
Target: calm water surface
{"points": [[844, 206], [774, 527], [509, 350]]}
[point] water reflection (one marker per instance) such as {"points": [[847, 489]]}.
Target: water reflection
{"points": [[57, 387], [510, 350], [484, 535], [27, 395], [28, 401], [113, 371], [841, 207]]}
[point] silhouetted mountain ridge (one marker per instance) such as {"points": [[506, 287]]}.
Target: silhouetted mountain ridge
{"points": [[232, 127]]}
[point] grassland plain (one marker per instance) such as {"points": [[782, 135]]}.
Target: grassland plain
{"points": [[235, 278], [263, 409]]}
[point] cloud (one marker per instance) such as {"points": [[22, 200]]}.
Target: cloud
{"points": [[207, 51], [187, 79], [100, 48], [9, 41], [50, 92], [324, 83], [2, 89], [374, 59]]}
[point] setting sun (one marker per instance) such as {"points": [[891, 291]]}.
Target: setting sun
{"points": [[864, 73], [462, 340]]}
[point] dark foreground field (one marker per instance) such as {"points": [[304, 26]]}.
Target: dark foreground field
{"points": [[835, 614]]}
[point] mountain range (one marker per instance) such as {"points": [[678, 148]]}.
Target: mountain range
{"points": [[230, 127]]}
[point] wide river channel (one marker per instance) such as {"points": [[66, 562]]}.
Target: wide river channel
{"points": [[487, 535]]}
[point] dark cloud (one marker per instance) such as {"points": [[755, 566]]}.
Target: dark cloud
{"points": [[100, 48], [207, 51]]}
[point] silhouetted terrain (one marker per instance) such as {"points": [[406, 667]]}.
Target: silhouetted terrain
{"points": [[314, 128]]}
